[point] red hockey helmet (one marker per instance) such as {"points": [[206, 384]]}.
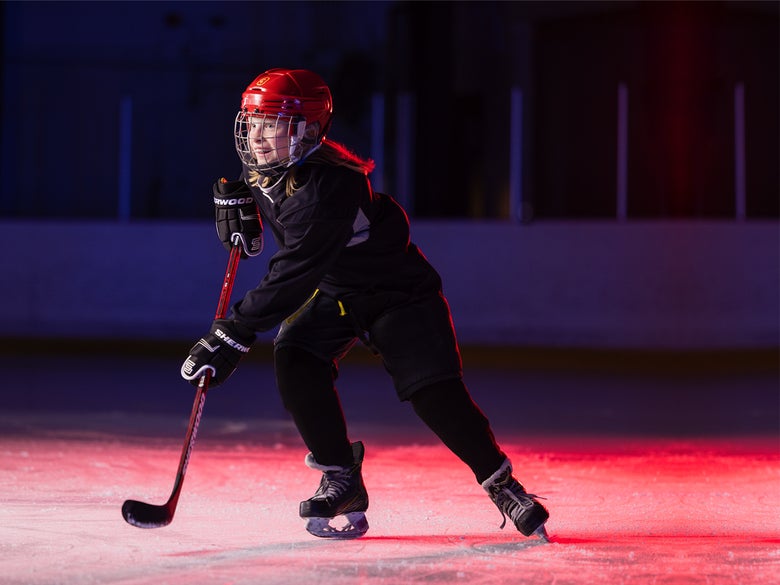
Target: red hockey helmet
{"points": [[295, 106]]}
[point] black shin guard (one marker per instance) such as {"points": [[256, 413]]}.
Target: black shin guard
{"points": [[447, 408], [306, 387]]}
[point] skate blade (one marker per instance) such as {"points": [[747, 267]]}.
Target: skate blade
{"points": [[355, 527], [541, 532]]}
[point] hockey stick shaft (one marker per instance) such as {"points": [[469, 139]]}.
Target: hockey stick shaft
{"points": [[203, 384], [150, 516]]}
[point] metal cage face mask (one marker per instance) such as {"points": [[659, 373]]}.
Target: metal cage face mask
{"points": [[270, 143]]}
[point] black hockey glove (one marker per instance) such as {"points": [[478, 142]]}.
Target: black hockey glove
{"points": [[220, 351], [237, 217]]}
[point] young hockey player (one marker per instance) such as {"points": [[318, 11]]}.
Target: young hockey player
{"points": [[345, 270]]}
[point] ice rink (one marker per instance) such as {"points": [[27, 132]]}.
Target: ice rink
{"points": [[650, 478]]}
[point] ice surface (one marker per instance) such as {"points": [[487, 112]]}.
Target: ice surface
{"points": [[635, 511], [650, 480]]}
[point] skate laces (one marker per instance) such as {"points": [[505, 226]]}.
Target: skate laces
{"points": [[334, 484], [511, 499], [514, 503]]}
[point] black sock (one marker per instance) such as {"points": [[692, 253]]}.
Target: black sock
{"points": [[447, 408], [308, 393]]}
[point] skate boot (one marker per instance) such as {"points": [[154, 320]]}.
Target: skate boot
{"points": [[341, 493], [510, 497]]}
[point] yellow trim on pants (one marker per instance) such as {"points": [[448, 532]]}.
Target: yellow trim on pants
{"points": [[302, 308]]}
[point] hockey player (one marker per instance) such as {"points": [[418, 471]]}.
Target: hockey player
{"points": [[345, 270]]}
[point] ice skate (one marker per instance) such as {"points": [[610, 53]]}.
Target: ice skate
{"points": [[527, 514], [341, 493]]}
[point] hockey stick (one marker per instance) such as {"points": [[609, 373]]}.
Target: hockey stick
{"points": [[145, 515]]}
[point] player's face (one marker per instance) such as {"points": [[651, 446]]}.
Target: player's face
{"points": [[269, 139]]}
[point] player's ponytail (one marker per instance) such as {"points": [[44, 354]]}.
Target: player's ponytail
{"points": [[332, 153]]}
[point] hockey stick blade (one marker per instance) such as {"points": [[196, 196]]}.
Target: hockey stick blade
{"points": [[143, 515]]}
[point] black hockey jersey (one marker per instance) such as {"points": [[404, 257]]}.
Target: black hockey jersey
{"points": [[337, 235]]}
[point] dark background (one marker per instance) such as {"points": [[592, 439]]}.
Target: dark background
{"points": [[98, 97], [67, 68], [101, 97]]}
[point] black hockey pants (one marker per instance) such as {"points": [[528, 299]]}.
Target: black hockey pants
{"points": [[418, 347]]}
